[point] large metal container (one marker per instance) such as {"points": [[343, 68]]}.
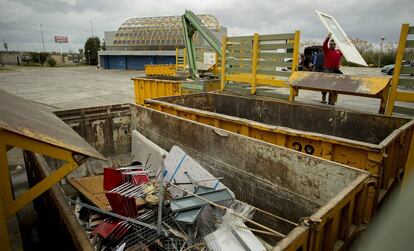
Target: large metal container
{"points": [[147, 88], [376, 143], [327, 199]]}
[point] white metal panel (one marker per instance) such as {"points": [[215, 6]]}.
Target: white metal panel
{"points": [[345, 45]]}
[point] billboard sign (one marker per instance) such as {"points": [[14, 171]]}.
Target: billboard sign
{"points": [[61, 39]]}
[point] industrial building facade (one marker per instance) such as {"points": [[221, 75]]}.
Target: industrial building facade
{"points": [[152, 40]]}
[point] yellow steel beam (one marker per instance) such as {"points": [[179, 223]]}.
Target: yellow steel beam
{"points": [[40, 188], [223, 62], [295, 60], [17, 140], [6, 193], [254, 63], [397, 69], [404, 96], [4, 234]]}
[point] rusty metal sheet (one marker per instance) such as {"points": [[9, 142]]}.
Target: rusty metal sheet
{"points": [[32, 120], [346, 84]]}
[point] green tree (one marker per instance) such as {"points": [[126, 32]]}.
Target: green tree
{"points": [[92, 46], [39, 58]]}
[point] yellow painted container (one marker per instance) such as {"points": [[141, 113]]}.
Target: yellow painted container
{"points": [[160, 70], [375, 143], [147, 88], [324, 200]]}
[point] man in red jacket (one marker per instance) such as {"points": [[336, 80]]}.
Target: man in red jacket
{"points": [[332, 61]]}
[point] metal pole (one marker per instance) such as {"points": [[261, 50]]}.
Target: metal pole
{"points": [[91, 27], [121, 217], [379, 58], [89, 57], [161, 199], [43, 39]]}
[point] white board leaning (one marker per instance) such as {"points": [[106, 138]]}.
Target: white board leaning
{"points": [[349, 51]]}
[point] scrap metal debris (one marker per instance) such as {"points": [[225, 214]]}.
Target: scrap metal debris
{"points": [[175, 204]]}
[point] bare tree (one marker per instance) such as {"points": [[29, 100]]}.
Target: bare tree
{"points": [[361, 45]]}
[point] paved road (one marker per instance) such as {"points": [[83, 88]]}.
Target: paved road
{"points": [[70, 87]]}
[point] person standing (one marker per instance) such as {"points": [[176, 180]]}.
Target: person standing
{"points": [[332, 61]]}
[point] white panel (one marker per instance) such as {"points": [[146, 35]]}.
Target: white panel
{"points": [[345, 45]]}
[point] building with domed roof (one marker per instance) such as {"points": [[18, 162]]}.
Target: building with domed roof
{"points": [[150, 40]]}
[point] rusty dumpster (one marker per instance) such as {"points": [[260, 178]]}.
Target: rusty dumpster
{"points": [[325, 200], [375, 143]]}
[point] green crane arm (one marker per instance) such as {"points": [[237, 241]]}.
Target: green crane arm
{"points": [[191, 24]]}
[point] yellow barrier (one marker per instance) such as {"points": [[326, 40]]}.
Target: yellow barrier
{"points": [[160, 70], [259, 59], [148, 88], [395, 94]]}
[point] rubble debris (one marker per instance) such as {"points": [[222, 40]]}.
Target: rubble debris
{"points": [[180, 207]]}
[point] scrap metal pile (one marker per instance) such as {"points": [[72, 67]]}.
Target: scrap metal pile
{"points": [[168, 201]]}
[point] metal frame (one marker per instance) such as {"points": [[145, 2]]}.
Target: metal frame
{"points": [[191, 24], [255, 59], [10, 205], [156, 32], [348, 49], [33, 128]]}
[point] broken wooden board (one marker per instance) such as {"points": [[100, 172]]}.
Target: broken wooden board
{"points": [[345, 84], [92, 188]]}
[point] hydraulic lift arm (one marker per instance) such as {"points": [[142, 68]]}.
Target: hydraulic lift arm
{"points": [[191, 24]]}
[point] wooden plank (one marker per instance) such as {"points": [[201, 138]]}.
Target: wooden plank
{"points": [[272, 82], [404, 110], [263, 64], [239, 70], [409, 44], [411, 30], [270, 63], [263, 47], [409, 55], [238, 54], [407, 70], [267, 72], [404, 96], [271, 37], [242, 61], [92, 188], [239, 78], [240, 39], [243, 47], [274, 55], [406, 82], [279, 73], [274, 73]]}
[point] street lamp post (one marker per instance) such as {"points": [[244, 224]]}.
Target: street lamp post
{"points": [[379, 58], [89, 57]]}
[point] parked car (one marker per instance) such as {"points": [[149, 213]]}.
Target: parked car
{"points": [[389, 69]]}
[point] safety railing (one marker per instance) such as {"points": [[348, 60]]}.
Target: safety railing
{"points": [[259, 59], [405, 81]]}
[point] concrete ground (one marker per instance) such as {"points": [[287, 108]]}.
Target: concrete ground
{"points": [[70, 87]]}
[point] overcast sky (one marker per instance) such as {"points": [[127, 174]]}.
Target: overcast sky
{"points": [[20, 19]]}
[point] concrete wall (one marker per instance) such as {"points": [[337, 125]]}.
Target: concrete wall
{"points": [[10, 57]]}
